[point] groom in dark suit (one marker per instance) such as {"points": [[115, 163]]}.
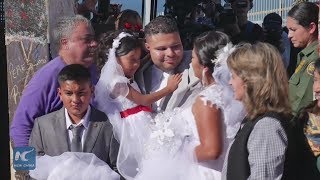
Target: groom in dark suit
{"points": [[78, 126]]}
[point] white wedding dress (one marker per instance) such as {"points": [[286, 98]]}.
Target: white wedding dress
{"points": [[162, 147], [130, 121], [211, 169], [169, 153]]}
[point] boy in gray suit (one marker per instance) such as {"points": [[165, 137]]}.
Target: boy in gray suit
{"points": [[76, 127], [167, 57]]}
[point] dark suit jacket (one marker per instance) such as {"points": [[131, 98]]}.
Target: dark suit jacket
{"points": [[50, 136]]}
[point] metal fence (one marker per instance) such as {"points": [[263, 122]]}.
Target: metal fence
{"points": [[1, 12], [263, 7]]}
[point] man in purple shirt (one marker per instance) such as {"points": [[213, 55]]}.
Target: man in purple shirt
{"points": [[75, 37]]}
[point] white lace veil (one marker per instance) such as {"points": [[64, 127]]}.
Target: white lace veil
{"points": [[110, 92], [233, 110], [112, 82], [72, 166]]}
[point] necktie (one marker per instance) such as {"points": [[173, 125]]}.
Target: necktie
{"points": [[76, 145]]}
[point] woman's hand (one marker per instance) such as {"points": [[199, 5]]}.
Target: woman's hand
{"points": [[173, 82]]}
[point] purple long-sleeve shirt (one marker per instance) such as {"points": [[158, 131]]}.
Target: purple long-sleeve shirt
{"points": [[39, 97]]}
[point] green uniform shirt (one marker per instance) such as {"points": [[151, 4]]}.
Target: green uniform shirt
{"points": [[301, 82]]}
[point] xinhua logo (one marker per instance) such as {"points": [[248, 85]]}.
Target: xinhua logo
{"points": [[24, 158]]}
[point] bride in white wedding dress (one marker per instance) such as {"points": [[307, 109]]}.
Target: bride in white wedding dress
{"points": [[187, 143], [190, 142]]}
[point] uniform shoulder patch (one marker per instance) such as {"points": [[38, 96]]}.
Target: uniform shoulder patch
{"points": [[311, 68], [301, 64]]}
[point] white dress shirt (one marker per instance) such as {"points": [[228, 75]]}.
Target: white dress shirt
{"points": [[84, 121], [159, 81]]}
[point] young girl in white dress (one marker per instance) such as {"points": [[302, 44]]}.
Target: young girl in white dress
{"points": [[118, 95], [190, 142]]}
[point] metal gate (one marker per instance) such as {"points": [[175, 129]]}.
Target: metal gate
{"points": [[263, 7]]}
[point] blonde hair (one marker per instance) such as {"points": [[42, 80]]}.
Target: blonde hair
{"points": [[261, 68]]}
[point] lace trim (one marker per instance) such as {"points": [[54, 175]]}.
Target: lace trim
{"points": [[167, 136], [212, 94]]}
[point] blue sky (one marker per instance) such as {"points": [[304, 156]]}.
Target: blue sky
{"points": [[136, 4]]}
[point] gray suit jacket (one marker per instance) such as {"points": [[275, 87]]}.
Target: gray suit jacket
{"points": [[50, 136], [189, 82]]}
